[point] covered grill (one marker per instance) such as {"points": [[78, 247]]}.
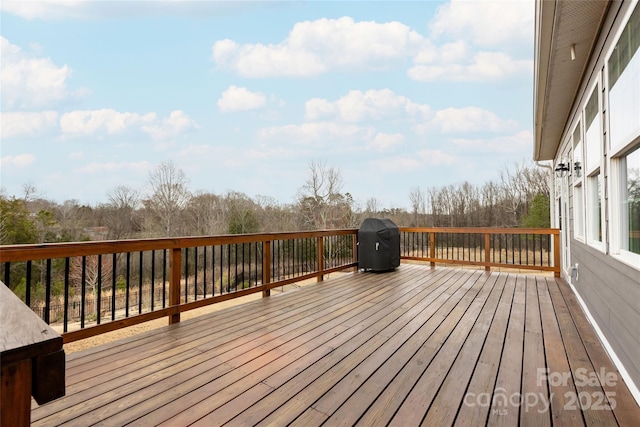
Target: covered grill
{"points": [[378, 245]]}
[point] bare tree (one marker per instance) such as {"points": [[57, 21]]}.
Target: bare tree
{"points": [[169, 195], [321, 202], [206, 214], [373, 207], [418, 205], [123, 204], [30, 191]]}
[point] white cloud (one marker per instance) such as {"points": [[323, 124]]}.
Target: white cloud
{"points": [[488, 23], [111, 122], [314, 47], [396, 165], [502, 144], [320, 134], [20, 160], [419, 160], [385, 141], [436, 157], [240, 99], [26, 124], [94, 122], [50, 9], [29, 82], [101, 9], [327, 135], [465, 120], [485, 66], [176, 124], [357, 106], [135, 167]]}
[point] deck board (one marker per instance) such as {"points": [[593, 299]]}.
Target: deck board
{"points": [[415, 346]]}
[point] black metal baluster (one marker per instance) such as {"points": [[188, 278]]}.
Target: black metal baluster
{"points": [[195, 270], [229, 268], [127, 283], [204, 274], [213, 270], [98, 299], [113, 287], [48, 292], [65, 313], [83, 290], [27, 294], [153, 279], [140, 264], [186, 274]]}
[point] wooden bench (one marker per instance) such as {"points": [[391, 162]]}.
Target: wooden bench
{"points": [[32, 360]]}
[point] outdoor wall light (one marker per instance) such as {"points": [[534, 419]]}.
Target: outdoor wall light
{"points": [[577, 168], [561, 169]]}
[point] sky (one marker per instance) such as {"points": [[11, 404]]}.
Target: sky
{"points": [[243, 96]]}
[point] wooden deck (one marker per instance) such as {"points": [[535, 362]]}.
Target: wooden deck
{"points": [[416, 346]]}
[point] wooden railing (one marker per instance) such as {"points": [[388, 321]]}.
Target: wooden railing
{"points": [[89, 288], [520, 248], [116, 284]]}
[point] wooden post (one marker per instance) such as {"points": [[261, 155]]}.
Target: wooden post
{"points": [[320, 255], [432, 247], [174, 282], [354, 244], [487, 251], [266, 266], [556, 254], [32, 361], [15, 406]]}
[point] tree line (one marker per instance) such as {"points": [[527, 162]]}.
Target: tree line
{"points": [[519, 198]]}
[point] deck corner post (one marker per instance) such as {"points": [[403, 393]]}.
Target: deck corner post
{"points": [[487, 251], [174, 283], [556, 254], [320, 255], [432, 247], [266, 266], [354, 246]]}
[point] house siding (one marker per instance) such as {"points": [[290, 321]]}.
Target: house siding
{"points": [[611, 292], [609, 288]]}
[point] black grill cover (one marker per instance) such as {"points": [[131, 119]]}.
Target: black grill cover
{"points": [[378, 245]]}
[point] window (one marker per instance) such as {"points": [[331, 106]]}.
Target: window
{"points": [[593, 133], [625, 48], [630, 201], [594, 200], [577, 155], [623, 68], [591, 109], [578, 210], [578, 191]]}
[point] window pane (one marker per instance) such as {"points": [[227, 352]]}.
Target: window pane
{"points": [[591, 109], [578, 211], [595, 207], [632, 202], [626, 47]]}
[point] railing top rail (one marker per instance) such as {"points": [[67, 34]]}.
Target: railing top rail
{"points": [[481, 230], [12, 253]]}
